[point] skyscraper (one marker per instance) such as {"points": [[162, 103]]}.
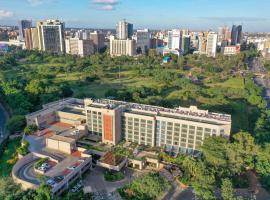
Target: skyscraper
{"points": [[35, 38], [236, 35], [124, 30], [211, 47], [143, 40], [98, 40], [185, 46], [202, 37], [28, 38], [23, 24], [174, 39], [51, 36]]}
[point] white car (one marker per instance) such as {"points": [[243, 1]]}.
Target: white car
{"points": [[71, 167], [45, 165], [42, 169]]}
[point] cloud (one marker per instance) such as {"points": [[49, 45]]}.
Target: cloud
{"points": [[6, 14], [39, 2], [36, 2], [106, 5]]}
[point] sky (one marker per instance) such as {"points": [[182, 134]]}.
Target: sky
{"points": [[254, 15]]}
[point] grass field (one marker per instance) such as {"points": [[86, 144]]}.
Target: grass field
{"points": [[237, 83]]}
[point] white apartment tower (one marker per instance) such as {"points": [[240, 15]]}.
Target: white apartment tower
{"points": [[174, 39], [119, 47], [124, 30], [51, 36], [211, 46], [76, 46]]}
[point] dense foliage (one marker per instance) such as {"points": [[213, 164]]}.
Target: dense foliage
{"points": [[29, 79], [148, 187], [113, 176]]}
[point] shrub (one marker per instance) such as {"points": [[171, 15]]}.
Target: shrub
{"points": [[113, 176]]}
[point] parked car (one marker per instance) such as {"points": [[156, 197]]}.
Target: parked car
{"points": [[44, 169], [77, 187], [58, 179], [71, 167], [51, 182], [46, 165]]}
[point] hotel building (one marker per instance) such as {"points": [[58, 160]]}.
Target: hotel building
{"points": [[179, 130]]}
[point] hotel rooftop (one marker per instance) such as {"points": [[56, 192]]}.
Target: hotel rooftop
{"points": [[185, 113]]}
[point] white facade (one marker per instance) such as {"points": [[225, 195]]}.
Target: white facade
{"points": [[122, 47], [211, 47], [75, 46], [229, 50], [51, 36], [174, 39], [124, 30]]}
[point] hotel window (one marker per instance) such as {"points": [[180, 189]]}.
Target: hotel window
{"points": [[222, 132], [183, 140], [182, 144]]}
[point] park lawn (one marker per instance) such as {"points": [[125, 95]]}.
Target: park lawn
{"points": [[237, 83], [10, 150]]}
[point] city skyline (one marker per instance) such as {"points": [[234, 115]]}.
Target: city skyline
{"points": [[153, 14]]}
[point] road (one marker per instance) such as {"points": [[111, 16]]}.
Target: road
{"points": [[255, 65], [27, 173], [3, 119]]}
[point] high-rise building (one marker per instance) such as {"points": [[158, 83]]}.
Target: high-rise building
{"points": [[23, 24], [185, 46], [211, 47], [142, 41], [76, 46], [125, 47], [202, 37], [98, 40], [236, 35], [124, 30], [174, 39], [28, 38], [35, 38], [51, 36]]}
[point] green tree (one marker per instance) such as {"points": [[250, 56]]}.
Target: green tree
{"points": [[227, 191], [16, 123]]}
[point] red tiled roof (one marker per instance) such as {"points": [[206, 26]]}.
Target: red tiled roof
{"points": [[77, 154], [111, 159]]}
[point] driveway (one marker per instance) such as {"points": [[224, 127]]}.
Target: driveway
{"points": [[95, 182]]}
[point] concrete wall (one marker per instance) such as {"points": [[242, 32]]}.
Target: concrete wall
{"points": [[64, 147], [70, 118]]}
